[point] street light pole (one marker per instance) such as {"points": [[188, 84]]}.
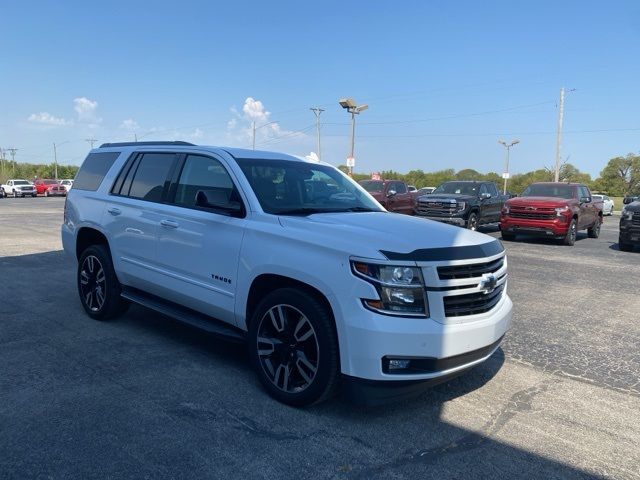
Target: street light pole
{"points": [[354, 109], [254, 128], [55, 162], [505, 175], [12, 152]]}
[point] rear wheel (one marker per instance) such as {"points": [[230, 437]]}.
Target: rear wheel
{"points": [[98, 285], [15, 194], [594, 231], [572, 233], [294, 347], [46, 193]]}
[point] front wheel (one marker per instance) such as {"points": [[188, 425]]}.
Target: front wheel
{"points": [[572, 233], [293, 346], [15, 194], [472, 221], [594, 231], [98, 285]]}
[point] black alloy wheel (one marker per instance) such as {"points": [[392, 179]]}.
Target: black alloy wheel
{"points": [[288, 348], [294, 347], [98, 286]]}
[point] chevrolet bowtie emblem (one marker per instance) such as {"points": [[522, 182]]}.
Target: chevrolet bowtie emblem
{"points": [[488, 283]]}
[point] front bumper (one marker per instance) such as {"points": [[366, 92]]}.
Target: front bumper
{"points": [[557, 227], [459, 221], [629, 233], [374, 337]]}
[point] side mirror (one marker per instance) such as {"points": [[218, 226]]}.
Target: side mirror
{"points": [[217, 200], [585, 199], [391, 193], [485, 195]]}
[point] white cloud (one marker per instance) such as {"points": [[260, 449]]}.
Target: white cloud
{"points": [[45, 118], [240, 127], [86, 110], [129, 124]]}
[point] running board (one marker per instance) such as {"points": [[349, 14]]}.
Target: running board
{"points": [[184, 315]]}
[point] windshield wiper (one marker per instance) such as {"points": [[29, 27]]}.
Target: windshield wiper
{"points": [[303, 211], [359, 209]]}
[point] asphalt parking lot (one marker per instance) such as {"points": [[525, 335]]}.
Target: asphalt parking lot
{"points": [[145, 397]]}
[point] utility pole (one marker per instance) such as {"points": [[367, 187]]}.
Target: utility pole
{"points": [[318, 111], [505, 174], [55, 162], [135, 136], [91, 141], [559, 136], [253, 127], [2, 161], [12, 152]]}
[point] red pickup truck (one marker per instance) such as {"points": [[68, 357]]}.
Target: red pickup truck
{"points": [[555, 210], [394, 195]]}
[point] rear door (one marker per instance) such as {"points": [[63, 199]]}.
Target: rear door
{"points": [[133, 214], [587, 209], [199, 248], [401, 201]]}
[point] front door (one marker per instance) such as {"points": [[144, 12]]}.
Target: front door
{"points": [[199, 248]]}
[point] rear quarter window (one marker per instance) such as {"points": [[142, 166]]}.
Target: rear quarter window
{"points": [[93, 170]]}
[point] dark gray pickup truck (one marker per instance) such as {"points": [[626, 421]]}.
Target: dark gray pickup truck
{"points": [[464, 203]]}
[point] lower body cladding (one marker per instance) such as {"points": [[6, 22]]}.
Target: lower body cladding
{"points": [[459, 221], [630, 233], [389, 358]]}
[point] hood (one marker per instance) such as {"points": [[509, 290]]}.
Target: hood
{"points": [[368, 234], [633, 206], [539, 202], [435, 197]]}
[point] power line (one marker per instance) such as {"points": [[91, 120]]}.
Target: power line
{"points": [[91, 141], [317, 111]]}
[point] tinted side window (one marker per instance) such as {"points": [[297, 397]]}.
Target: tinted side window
{"points": [[400, 187], [491, 187], [93, 170], [203, 173], [151, 175]]}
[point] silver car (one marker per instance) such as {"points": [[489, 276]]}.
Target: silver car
{"points": [[607, 203]]}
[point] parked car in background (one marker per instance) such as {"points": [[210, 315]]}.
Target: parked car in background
{"points": [[425, 191], [2, 195], [347, 293], [464, 203], [629, 227], [67, 184], [394, 195], [630, 199], [412, 188], [553, 210], [42, 184], [55, 190], [607, 203], [19, 188]]}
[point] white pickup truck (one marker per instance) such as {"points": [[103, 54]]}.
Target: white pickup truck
{"points": [[291, 257], [19, 188]]}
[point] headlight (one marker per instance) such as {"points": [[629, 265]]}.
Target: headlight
{"points": [[505, 210], [560, 211], [626, 214], [461, 206], [400, 289]]}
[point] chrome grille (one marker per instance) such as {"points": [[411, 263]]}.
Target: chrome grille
{"points": [[635, 220]]}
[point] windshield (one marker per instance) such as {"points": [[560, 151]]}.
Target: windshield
{"points": [[372, 185], [460, 188], [548, 190], [597, 197], [20, 182], [286, 187], [49, 182]]}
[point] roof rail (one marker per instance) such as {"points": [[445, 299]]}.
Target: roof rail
{"points": [[143, 144]]}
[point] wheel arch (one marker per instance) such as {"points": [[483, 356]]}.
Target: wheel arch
{"points": [[88, 236]]}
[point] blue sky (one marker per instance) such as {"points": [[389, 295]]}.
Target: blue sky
{"points": [[445, 80]]}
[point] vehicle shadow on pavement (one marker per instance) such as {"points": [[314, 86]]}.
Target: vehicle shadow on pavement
{"points": [[145, 396]]}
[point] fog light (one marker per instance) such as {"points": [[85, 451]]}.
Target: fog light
{"points": [[398, 364]]}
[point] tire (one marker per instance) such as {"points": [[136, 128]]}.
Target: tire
{"points": [[93, 260], [15, 194], [34, 195], [472, 221], [572, 233], [624, 246], [594, 231], [508, 237], [285, 362], [46, 193]]}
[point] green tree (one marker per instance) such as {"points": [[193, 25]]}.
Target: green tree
{"points": [[621, 176]]}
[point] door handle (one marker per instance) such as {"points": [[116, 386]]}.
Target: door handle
{"points": [[114, 211], [169, 223]]}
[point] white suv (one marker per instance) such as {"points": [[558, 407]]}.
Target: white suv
{"points": [[290, 256]]}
